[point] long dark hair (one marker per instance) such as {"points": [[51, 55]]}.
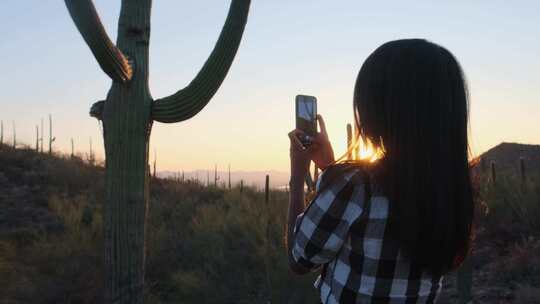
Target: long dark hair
{"points": [[411, 99]]}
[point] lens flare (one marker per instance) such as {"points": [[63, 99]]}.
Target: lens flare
{"points": [[367, 151], [363, 150]]}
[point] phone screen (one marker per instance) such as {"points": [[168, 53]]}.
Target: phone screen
{"points": [[306, 114]]}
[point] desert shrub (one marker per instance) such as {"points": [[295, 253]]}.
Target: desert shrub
{"points": [[526, 294], [215, 246], [513, 210], [57, 268], [521, 265]]}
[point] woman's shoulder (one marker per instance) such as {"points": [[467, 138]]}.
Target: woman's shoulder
{"points": [[347, 169], [353, 174]]}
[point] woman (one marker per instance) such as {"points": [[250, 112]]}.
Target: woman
{"points": [[386, 231]]}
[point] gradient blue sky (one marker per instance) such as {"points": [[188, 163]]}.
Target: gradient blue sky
{"points": [[289, 47]]}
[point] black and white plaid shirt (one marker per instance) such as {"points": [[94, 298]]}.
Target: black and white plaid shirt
{"points": [[343, 228]]}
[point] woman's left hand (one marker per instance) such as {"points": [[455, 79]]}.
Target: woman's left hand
{"points": [[300, 156]]}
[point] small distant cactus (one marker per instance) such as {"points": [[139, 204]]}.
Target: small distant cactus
{"points": [[37, 138], [522, 170], [1, 132], [483, 165], [51, 138], [91, 156], [267, 189], [14, 136], [229, 176], [349, 141], [267, 239], [493, 172], [216, 177], [356, 136], [72, 148], [155, 160], [41, 138]]}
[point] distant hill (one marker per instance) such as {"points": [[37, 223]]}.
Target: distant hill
{"points": [[506, 157]]}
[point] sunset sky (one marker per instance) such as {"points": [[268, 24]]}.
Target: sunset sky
{"points": [[289, 48]]}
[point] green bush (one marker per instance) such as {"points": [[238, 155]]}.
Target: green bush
{"points": [[56, 268]]}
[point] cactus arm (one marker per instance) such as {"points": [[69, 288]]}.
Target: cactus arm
{"points": [[111, 60], [97, 109], [187, 102]]}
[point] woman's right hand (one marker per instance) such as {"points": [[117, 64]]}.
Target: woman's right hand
{"points": [[321, 150]]}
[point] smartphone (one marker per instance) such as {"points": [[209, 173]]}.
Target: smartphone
{"points": [[306, 117]]}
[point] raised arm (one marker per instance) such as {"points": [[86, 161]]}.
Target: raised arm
{"points": [[109, 57], [187, 102]]}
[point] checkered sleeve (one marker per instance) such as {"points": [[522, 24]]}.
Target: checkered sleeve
{"points": [[323, 227]]}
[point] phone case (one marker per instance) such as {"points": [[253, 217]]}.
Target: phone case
{"points": [[309, 126]]}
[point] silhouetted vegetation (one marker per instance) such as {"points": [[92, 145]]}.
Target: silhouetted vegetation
{"points": [[209, 245], [205, 244]]}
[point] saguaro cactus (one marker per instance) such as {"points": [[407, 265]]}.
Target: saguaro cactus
{"points": [[349, 141], [14, 136], [483, 165], [37, 138], [155, 160], [41, 138], [267, 238], [356, 136], [522, 170], [51, 138], [127, 115], [72, 148], [91, 158], [493, 172], [229, 176], [1, 132], [216, 177]]}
